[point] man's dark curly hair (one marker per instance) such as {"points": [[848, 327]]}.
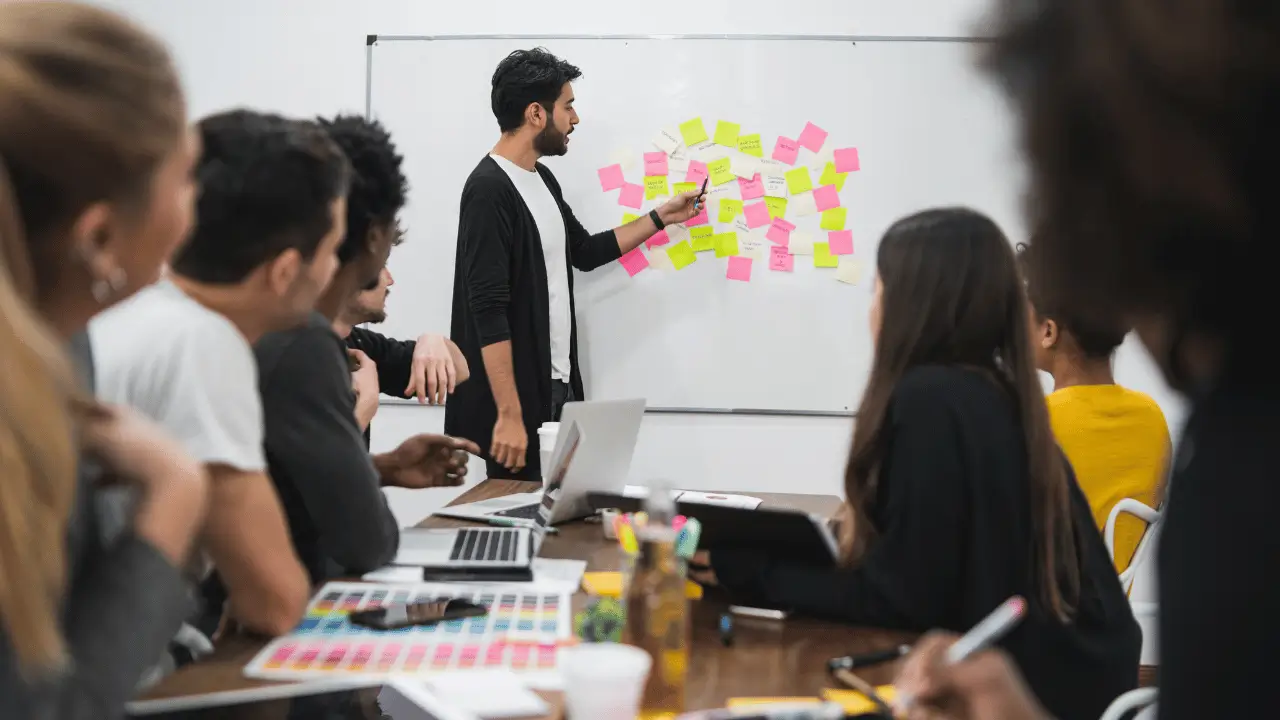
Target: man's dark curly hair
{"points": [[378, 186], [525, 77]]}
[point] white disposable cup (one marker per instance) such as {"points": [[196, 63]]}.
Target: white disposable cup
{"points": [[546, 445], [604, 681]]}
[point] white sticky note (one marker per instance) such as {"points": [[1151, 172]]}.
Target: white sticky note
{"points": [[754, 246], [773, 168], [659, 259], [668, 140], [775, 187], [678, 233], [680, 153], [802, 205], [744, 166], [849, 271], [487, 693], [820, 160], [801, 243], [677, 167], [624, 157], [740, 225]]}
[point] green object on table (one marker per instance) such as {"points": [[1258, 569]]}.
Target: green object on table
{"points": [[601, 621]]}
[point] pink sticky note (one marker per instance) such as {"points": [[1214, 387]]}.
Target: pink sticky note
{"points": [[780, 259], [812, 137], [634, 262], [786, 150], [655, 164], [840, 242], [757, 215], [697, 172], [847, 160], [700, 219], [611, 177], [739, 268], [659, 238], [826, 197], [780, 232], [632, 195], [752, 189]]}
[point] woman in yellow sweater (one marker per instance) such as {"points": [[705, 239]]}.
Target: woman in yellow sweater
{"points": [[1116, 439]]}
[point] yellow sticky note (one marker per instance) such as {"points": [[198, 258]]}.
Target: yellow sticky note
{"points": [[727, 133], [702, 238], [751, 145], [628, 218], [693, 131], [726, 244], [799, 181], [822, 257], [609, 584], [678, 188], [831, 177], [681, 257], [721, 171], [754, 701], [729, 209], [855, 703], [834, 218], [655, 186], [777, 207]]}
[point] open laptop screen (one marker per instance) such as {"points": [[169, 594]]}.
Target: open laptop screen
{"points": [[566, 447]]}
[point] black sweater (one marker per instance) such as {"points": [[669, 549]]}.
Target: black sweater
{"points": [[953, 541], [500, 293], [394, 358]]}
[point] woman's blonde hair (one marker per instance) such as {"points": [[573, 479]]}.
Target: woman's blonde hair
{"points": [[90, 106]]}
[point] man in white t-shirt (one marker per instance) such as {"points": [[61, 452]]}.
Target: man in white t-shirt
{"points": [[513, 313], [271, 214]]}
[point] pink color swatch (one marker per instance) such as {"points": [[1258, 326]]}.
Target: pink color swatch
{"points": [[757, 215], [847, 160], [780, 232], [634, 262], [659, 238], [739, 269], [786, 150], [699, 219], [826, 197], [812, 137], [840, 242], [752, 189], [611, 177], [697, 172], [632, 195], [655, 164], [780, 259]]}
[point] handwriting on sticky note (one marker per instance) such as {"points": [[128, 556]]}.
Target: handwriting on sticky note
{"points": [[801, 243], [754, 247], [799, 181], [702, 239], [780, 232], [611, 177], [850, 271], [655, 187], [682, 256], [720, 170], [693, 131], [786, 150], [739, 269], [655, 164], [777, 206], [847, 160], [802, 205], [780, 259], [700, 219], [726, 244], [831, 177], [812, 137], [840, 242], [729, 209], [678, 188], [697, 172], [658, 239], [727, 133], [751, 145], [757, 215], [667, 140], [826, 197], [752, 189], [632, 196], [834, 218], [634, 262], [822, 257], [776, 187]]}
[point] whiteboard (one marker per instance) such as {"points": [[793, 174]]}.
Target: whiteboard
{"points": [[930, 130]]}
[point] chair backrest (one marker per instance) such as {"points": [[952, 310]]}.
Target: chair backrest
{"points": [[1139, 579], [1129, 702]]}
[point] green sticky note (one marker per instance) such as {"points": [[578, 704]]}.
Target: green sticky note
{"points": [[726, 244], [751, 145], [655, 186], [628, 218], [822, 257], [681, 255], [727, 133], [831, 177], [729, 209], [834, 218], [799, 181], [678, 188], [703, 238], [693, 131], [720, 172], [777, 207]]}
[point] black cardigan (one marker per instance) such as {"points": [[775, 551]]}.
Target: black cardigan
{"points": [[953, 541], [500, 293]]}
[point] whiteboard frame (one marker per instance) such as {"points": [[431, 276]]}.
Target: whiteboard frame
{"points": [[372, 40]]}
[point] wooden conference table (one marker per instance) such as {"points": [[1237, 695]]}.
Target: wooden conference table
{"points": [[767, 659]]}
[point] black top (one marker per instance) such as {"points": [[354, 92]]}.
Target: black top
{"points": [[1218, 550], [332, 496], [500, 293], [394, 359], [954, 536]]}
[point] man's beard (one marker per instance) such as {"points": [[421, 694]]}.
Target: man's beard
{"points": [[551, 142], [374, 317]]}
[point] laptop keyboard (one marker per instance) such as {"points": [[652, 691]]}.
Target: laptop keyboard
{"points": [[486, 545], [524, 512]]}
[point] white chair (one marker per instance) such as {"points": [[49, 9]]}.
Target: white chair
{"points": [[1139, 579], [1133, 700]]}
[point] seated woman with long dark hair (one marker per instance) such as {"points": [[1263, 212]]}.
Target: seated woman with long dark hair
{"points": [[959, 497]]}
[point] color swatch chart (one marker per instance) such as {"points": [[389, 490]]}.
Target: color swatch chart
{"points": [[522, 632]]}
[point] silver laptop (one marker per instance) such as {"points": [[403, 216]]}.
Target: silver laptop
{"points": [[611, 428]]}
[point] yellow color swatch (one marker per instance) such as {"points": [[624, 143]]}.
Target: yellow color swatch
{"points": [[609, 584]]}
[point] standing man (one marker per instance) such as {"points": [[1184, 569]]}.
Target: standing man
{"points": [[513, 313]]}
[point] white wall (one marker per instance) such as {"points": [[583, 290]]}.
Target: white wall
{"points": [[307, 57]]}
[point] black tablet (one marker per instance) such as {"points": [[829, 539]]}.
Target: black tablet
{"points": [[328, 700]]}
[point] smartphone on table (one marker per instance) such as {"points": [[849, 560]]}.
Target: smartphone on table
{"points": [[402, 615]]}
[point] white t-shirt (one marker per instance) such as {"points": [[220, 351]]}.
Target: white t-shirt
{"points": [[187, 368], [546, 214]]}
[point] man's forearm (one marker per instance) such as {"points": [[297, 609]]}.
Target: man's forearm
{"points": [[629, 238], [502, 378]]}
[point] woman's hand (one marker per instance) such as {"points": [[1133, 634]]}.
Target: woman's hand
{"points": [[700, 569], [986, 686]]}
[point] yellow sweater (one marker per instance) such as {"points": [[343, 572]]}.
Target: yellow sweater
{"points": [[1117, 441]]}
